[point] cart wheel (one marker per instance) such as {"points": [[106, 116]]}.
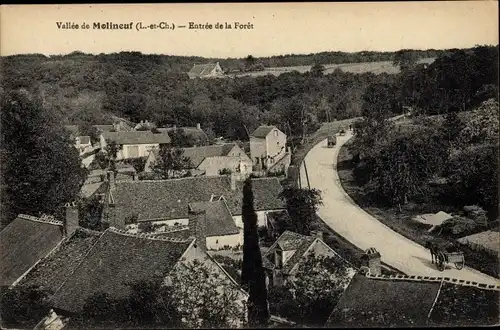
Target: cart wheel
{"points": [[459, 265], [440, 262]]}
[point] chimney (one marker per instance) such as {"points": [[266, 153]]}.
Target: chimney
{"points": [[133, 176], [198, 126], [116, 127], [197, 227], [71, 222], [233, 181], [111, 180], [317, 234], [175, 126], [371, 259]]}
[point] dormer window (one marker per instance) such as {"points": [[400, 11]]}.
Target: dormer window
{"points": [[275, 133]]}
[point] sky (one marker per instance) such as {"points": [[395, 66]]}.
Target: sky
{"points": [[278, 28]]}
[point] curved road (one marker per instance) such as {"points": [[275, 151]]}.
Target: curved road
{"points": [[342, 214]]}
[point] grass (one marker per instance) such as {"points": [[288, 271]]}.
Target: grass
{"points": [[401, 220], [363, 67]]}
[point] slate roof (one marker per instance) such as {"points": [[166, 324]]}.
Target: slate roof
{"points": [[115, 260], [61, 264], [288, 241], [199, 70], [23, 242], [89, 189], [137, 137], [197, 154], [220, 162], [219, 221], [262, 131], [169, 199], [369, 302]]}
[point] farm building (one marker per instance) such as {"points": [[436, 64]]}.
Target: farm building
{"points": [[268, 149], [203, 71], [135, 144]]}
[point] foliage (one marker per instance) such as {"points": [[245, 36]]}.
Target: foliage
{"points": [[311, 295], [180, 139], [90, 212], [253, 276], [41, 168], [317, 70], [205, 298], [137, 163], [148, 304], [111, 151], [170, 162], [301, 204], [405, 59], [23, 306], [225, 171]]}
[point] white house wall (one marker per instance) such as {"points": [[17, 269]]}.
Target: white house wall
{"points": [[219, 242], [276, 145], [261, 218], [257, 148], [142, 150]]}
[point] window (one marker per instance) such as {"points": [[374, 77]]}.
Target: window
{"points": [[275, 133]]}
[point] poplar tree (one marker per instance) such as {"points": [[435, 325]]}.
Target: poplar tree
{"points": [[253, 277]]}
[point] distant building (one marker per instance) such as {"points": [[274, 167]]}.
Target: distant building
{"points": [[284, 257], [268, 149], [203, 71], [196, 134], [211, 159], [135, 144]]}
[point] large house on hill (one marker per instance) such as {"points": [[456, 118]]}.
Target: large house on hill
{"points": [[211, 159], [210, 70], [268, 149]]}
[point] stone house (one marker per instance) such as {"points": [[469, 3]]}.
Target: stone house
{"points": [[284, 257], [211, 159], [203, 71], [134, 144], [268, 147]]}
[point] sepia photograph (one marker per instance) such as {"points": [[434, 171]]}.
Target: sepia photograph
{"points": [[249, 165]]}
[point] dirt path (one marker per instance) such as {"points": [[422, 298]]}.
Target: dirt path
{"points": [[342, 214]]}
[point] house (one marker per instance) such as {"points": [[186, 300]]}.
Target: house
{"points": [[91, 262], [203, 71], [410, 301], [81, 142], [135, 144], [117, 126], [268, 147], [196, 134], [291, 249], [212, 159], [166, 202], [28, 239]]}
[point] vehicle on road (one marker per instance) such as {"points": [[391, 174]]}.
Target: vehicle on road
{"points": [[445, 252], [332, 141]]}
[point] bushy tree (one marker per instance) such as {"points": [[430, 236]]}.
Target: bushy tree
{"points": [[170, 162], [253, 278], [41, 169], [23, 306], [301, 204]]}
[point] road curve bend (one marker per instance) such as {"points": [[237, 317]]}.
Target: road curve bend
{"points": [[349, 220]]}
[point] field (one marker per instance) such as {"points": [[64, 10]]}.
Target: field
{"points": [[363, 67]]}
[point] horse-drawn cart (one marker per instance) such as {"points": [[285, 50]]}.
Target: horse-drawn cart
{"points": [[332, 141], [456, 258], [444, 252]]}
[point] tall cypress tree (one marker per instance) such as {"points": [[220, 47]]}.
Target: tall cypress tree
{"points": [[253, 278]]}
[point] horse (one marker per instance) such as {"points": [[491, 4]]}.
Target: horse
{"points": [[434, 248]]}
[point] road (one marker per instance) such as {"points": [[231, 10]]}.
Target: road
{"points": [[346, 218]]}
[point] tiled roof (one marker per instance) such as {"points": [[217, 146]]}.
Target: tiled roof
{"points": [[262, 131], [165, 199], [193, 132], [89, 189], [219, 221], [115, 260], [220, 162], [197, 154], [199, 70], [104, 128], [61, 264], [169, 199], [137, 137], [265, 193], [369, 302], [23, 242], [289, 241]]}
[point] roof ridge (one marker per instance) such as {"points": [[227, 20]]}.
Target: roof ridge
{"points": [[90, 231], [174, 179], [178, 228], [148, 236], [418, 278], [38, 219]]}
